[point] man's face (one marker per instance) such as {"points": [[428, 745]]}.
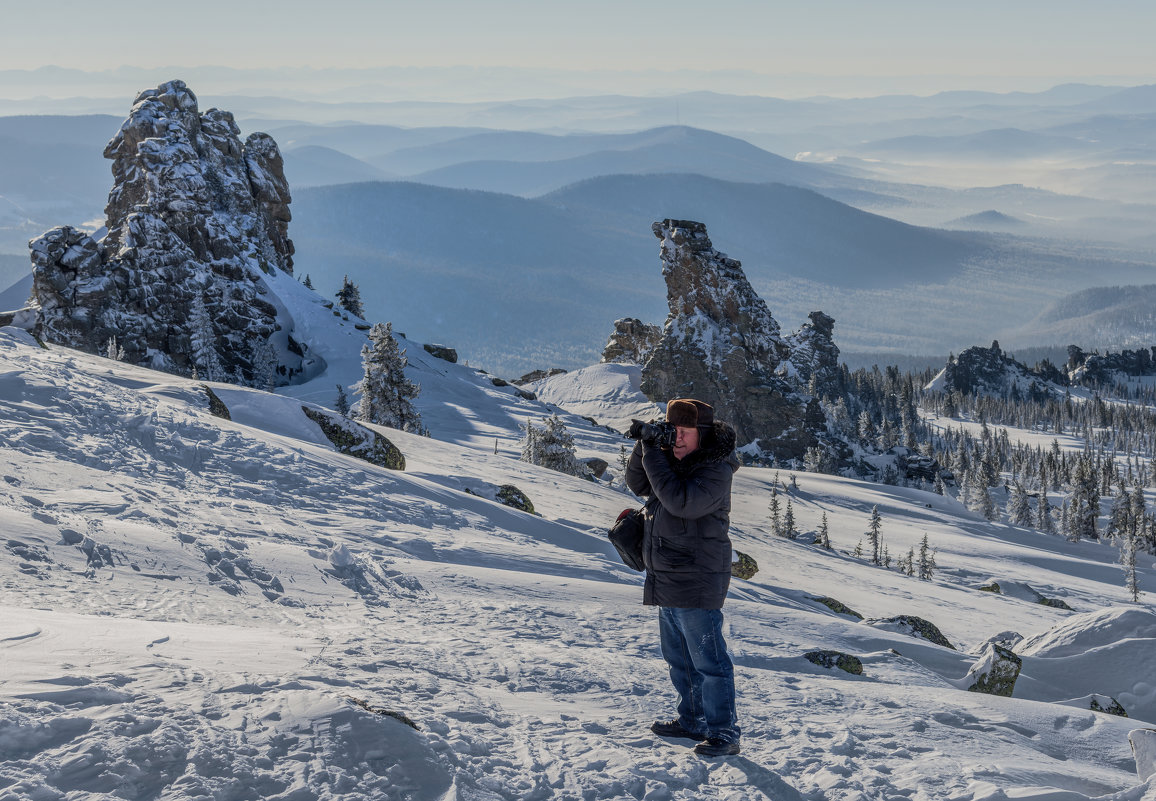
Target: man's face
{"points": [[686, 443]]}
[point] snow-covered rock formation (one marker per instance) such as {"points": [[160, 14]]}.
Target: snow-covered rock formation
{"points": [[814, 354], [196, 217], [631, 342], [722, 346]]}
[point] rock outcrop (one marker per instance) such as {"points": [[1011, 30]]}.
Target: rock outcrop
{"points": [[631, 341], [721, 345], [815, 356], [195, 217]]}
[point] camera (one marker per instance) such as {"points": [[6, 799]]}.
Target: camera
{"points": [[659, 432]]}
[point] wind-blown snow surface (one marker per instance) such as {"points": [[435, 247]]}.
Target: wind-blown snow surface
{"points": [[197, 608]]}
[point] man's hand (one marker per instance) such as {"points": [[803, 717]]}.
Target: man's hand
{"points": [[635, 430]]}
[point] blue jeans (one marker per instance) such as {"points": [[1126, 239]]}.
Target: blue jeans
{"points": [[701, 670]]}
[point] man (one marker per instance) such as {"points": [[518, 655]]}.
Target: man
{"points": [[687, 554]]}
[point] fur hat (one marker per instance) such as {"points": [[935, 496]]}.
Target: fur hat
{"points": [[688, 413]]}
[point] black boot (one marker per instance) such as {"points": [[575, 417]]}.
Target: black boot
{"points": [[675, 729]]}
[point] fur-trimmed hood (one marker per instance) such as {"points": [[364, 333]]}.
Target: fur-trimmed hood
{"points": [[718, 445]]}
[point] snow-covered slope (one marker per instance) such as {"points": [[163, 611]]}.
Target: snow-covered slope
{"points": [[194, 607]]}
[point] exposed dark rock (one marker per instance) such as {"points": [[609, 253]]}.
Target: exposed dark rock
{"points": [[838, 607], [996, 671], [915, 627], [993, 587], [1056, 603], [631, 341], [511, 496], [217, 407], [538, 375], [1107, 704], [744, 566], [597, 466], [721, 345], [442, 352], [836, 659], [354, 439], [195, 218]]}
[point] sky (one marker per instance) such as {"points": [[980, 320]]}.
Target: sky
{"points": [[1009, 45]]}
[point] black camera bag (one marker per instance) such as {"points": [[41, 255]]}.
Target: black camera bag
{"points": [[626, 537]]}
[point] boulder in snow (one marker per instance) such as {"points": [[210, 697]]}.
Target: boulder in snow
{"points": [[995, 673], [743, 566], [354, 439], [836, 659], [838, 607], [442, 352], [913, 626]]}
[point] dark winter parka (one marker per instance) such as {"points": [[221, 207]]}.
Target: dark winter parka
{"points": [[686, 548]]}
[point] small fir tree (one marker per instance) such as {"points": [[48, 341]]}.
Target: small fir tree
{"points": [[927, 565], [1128, 548], [789, 530], [349, 298], [114, 351], [1019, 509], [203, 342], [264, 359], [824, 534], [910, 571], [875, 536], [1044, 521], [386, 394], [776, 511], [940, 487], [551, 446], [308, 284], [342, 403]]}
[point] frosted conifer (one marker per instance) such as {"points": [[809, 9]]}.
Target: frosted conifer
{"points": [[789, 530], [875, 536], [1019, 510], [824, 534], [386, 394], [264, 359], [551, 446], [927, 564], [203, 342], [349, 298], [342, 403]]}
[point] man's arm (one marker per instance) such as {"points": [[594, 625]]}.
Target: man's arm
{"points": [[635, 473], [689, 498]]}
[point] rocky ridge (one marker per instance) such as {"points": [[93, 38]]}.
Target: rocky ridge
{"points": [[195, 218]]}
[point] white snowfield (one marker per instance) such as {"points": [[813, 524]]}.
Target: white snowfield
{"points": [[195, 608]]}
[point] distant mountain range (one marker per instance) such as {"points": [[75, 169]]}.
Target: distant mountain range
{"points": [[517, 284]]}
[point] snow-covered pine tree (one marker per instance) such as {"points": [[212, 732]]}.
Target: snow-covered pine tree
{"points": [[789, 530], [551, 446], [203, 342], [1019, 509], [940, 487], [1120, 522], [1128, 547], [875, 536], [1044, 521], [308, 284], [824, 534], [911, 561], [342, 403], [264, 359], [386, 394], [927, 564], [776, 511], [114, 351], [349, 298], [1085, 499]]}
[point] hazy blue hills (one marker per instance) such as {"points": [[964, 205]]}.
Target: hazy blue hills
{"points": [[988, 220], [663, 150], [314, 165], [1101, 317], [780, 231], [362, 141], [992, 145]]}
